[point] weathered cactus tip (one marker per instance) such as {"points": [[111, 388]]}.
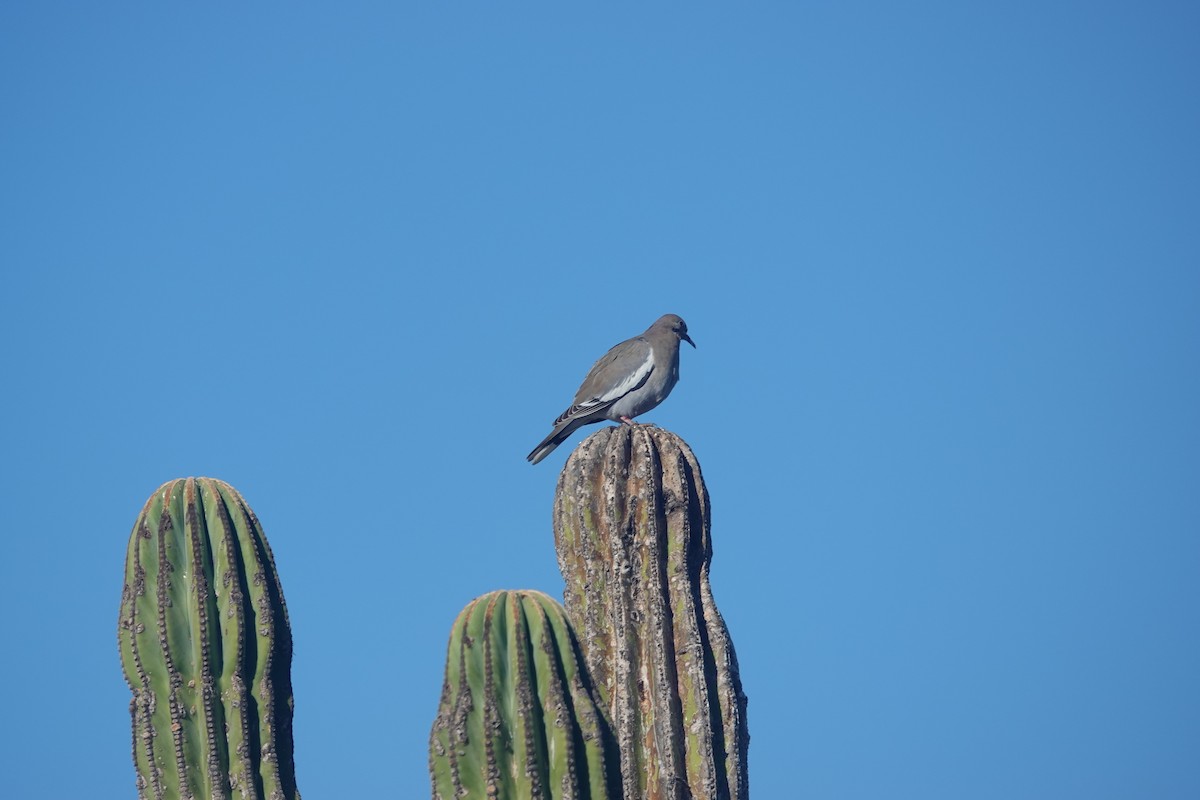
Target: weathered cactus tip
{"points": [[613, 439]]}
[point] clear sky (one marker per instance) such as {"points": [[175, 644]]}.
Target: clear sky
{"points": [[941, 260]]}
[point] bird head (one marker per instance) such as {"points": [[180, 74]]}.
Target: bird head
{"points": [[675, 325]]}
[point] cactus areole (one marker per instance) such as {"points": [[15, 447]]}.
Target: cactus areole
{"points": [[207, 649]]}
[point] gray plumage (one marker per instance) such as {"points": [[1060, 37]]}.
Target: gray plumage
{"points": [[630, 379]]}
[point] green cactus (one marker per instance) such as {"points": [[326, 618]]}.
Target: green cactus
{"points": [[518, 719], [631, 526], [207, 649]]}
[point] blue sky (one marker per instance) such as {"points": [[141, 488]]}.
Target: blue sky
{"points": [[941, 262]]}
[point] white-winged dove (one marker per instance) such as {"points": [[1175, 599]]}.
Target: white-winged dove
{"points": [[630, 379]]}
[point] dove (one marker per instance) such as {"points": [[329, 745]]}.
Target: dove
{"points": [[630, 379]]}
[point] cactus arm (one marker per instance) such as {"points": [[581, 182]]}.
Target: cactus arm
{"points": [[211, 707], [633, 539], [517, 718]]}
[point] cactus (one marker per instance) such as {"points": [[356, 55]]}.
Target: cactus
{"points": [[207, 649], [517, 718], [631, 526]]}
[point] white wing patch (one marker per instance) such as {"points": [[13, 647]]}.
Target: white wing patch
{"points": [[614, 393], [632, 381]]}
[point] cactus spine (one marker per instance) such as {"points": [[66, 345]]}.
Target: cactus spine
{"points": [[517, 718], [631, 526], [207, 649]]}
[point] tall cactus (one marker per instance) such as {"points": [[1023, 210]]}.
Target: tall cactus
{"points": [[517, 719], [207, 649], [631, 526]]}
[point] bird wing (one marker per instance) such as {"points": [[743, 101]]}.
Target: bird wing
{"points": [[621, 370]]}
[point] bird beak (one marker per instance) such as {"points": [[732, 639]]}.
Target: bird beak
{"points": [[687, 339]]}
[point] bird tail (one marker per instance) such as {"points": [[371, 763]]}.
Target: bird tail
{"points": [[556, 437]]}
